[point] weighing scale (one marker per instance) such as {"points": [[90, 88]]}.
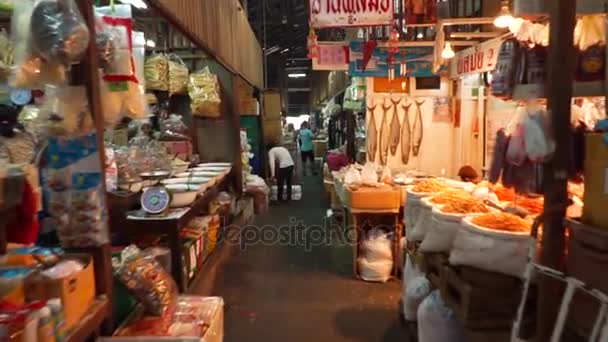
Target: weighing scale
{"points": [[155, 199]]}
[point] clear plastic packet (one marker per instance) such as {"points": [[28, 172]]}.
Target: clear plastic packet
{"points": [[174, 129], [119, 26], [139, 57], [31, 70], [66, 111], [204, 91], [178, 75], [156, 71], [150, 284], [58, 31], [105, 43], [539, 144]]}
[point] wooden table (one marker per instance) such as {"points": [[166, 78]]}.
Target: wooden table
{"points": [[171, 227]]}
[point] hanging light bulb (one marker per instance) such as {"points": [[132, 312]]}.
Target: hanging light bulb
{"points": [[447, 52], [504, 18]]}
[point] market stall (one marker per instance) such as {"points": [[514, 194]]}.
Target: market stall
{"points": [[104, 145]]}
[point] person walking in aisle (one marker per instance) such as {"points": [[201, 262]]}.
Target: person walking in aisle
{"points": [[306, 147], [281, 165]]}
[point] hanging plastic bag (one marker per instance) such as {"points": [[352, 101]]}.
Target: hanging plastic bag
{"points": [[119, 26], [156, 70], [539, 145], [31, 69], [204, 91], [386, 176], [139, 57], [369, 176], [178, 75], [516, 151], [66, 111], [58, 31]]}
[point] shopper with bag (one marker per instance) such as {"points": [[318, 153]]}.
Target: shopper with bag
{"points": [[281, 165]]}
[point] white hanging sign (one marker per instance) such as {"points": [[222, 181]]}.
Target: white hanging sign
{"points": [[476, 59], [341, 13]]}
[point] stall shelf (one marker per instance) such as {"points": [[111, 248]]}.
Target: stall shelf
{"points": [[171, 227], [91, 321]]}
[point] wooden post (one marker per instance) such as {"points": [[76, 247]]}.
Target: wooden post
{"points": [[561, 66]]}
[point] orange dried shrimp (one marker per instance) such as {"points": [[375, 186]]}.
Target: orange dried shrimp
{"points": [[504, 194], [465, 206], [429, 185], [449, 196], [532, 205], [502, 222]]}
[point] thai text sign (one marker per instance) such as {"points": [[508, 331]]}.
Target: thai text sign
{"points": [[477, 59], [339, 13]]}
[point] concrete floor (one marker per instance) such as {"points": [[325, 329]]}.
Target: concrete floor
{"points": [[282, 292]]}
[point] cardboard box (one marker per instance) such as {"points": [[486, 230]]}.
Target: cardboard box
{"points": [[596, 181], [76, 292], [273, 131]]}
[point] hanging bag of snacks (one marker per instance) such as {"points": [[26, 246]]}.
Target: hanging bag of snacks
{"points": [[204, 91], [156, 71], [178, 75]]}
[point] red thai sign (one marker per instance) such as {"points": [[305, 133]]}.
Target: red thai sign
{"points": [[477, 59], [339, 13]]}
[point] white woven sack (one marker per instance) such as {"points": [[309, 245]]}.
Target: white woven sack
{"points": [[490, 250], [379, 271], [437, 322], [378, 247], [414, 293], [411, 211], [441, 231], [422, 225]]}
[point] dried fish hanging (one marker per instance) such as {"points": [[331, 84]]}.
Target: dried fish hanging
{"points": [[406, 135], [417, 131], [372, 135], [395, 129], [384, 136]]}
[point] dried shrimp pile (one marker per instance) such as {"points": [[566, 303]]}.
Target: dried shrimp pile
{"points": [[449, 196], [429, 185], [502, 222], [465, 206]]}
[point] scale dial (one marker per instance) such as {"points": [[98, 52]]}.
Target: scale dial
{"points": [[155, 200]]}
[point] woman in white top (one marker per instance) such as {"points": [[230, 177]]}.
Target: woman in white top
{"points": [[281, 164]]}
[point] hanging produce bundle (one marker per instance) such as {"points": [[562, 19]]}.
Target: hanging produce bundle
{"points": [[204, 91]]}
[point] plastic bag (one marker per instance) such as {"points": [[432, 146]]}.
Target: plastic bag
{"points": [[352, 177], [119, 26], [416, 291], [386, 176], [369, 176], [538, 143], [58, 31], [379, 271], [156, 70], [178, 75], [437, 322], [489, 250], [150, 283], [590, 31], [66, 111], [516, 151], [204, 91], [378, 247], [31, 70], [174, 129]]}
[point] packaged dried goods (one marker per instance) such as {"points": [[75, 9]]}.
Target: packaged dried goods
{"points": [[66, 111], [150, 283], [156, 70], [119, 27], [178, 75], [429, 186], [204, 91]]}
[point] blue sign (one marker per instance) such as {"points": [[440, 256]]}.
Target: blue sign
{"points": [[418, 59]]}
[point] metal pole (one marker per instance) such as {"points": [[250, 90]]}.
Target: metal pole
{"points": [[265, 45]]}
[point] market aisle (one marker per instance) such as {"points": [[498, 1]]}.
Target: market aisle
{"points": [[283, 293]]}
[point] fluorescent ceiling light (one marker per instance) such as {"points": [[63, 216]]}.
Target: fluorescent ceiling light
{"points": [[150, 43], [296, 75], [135, 3]]}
